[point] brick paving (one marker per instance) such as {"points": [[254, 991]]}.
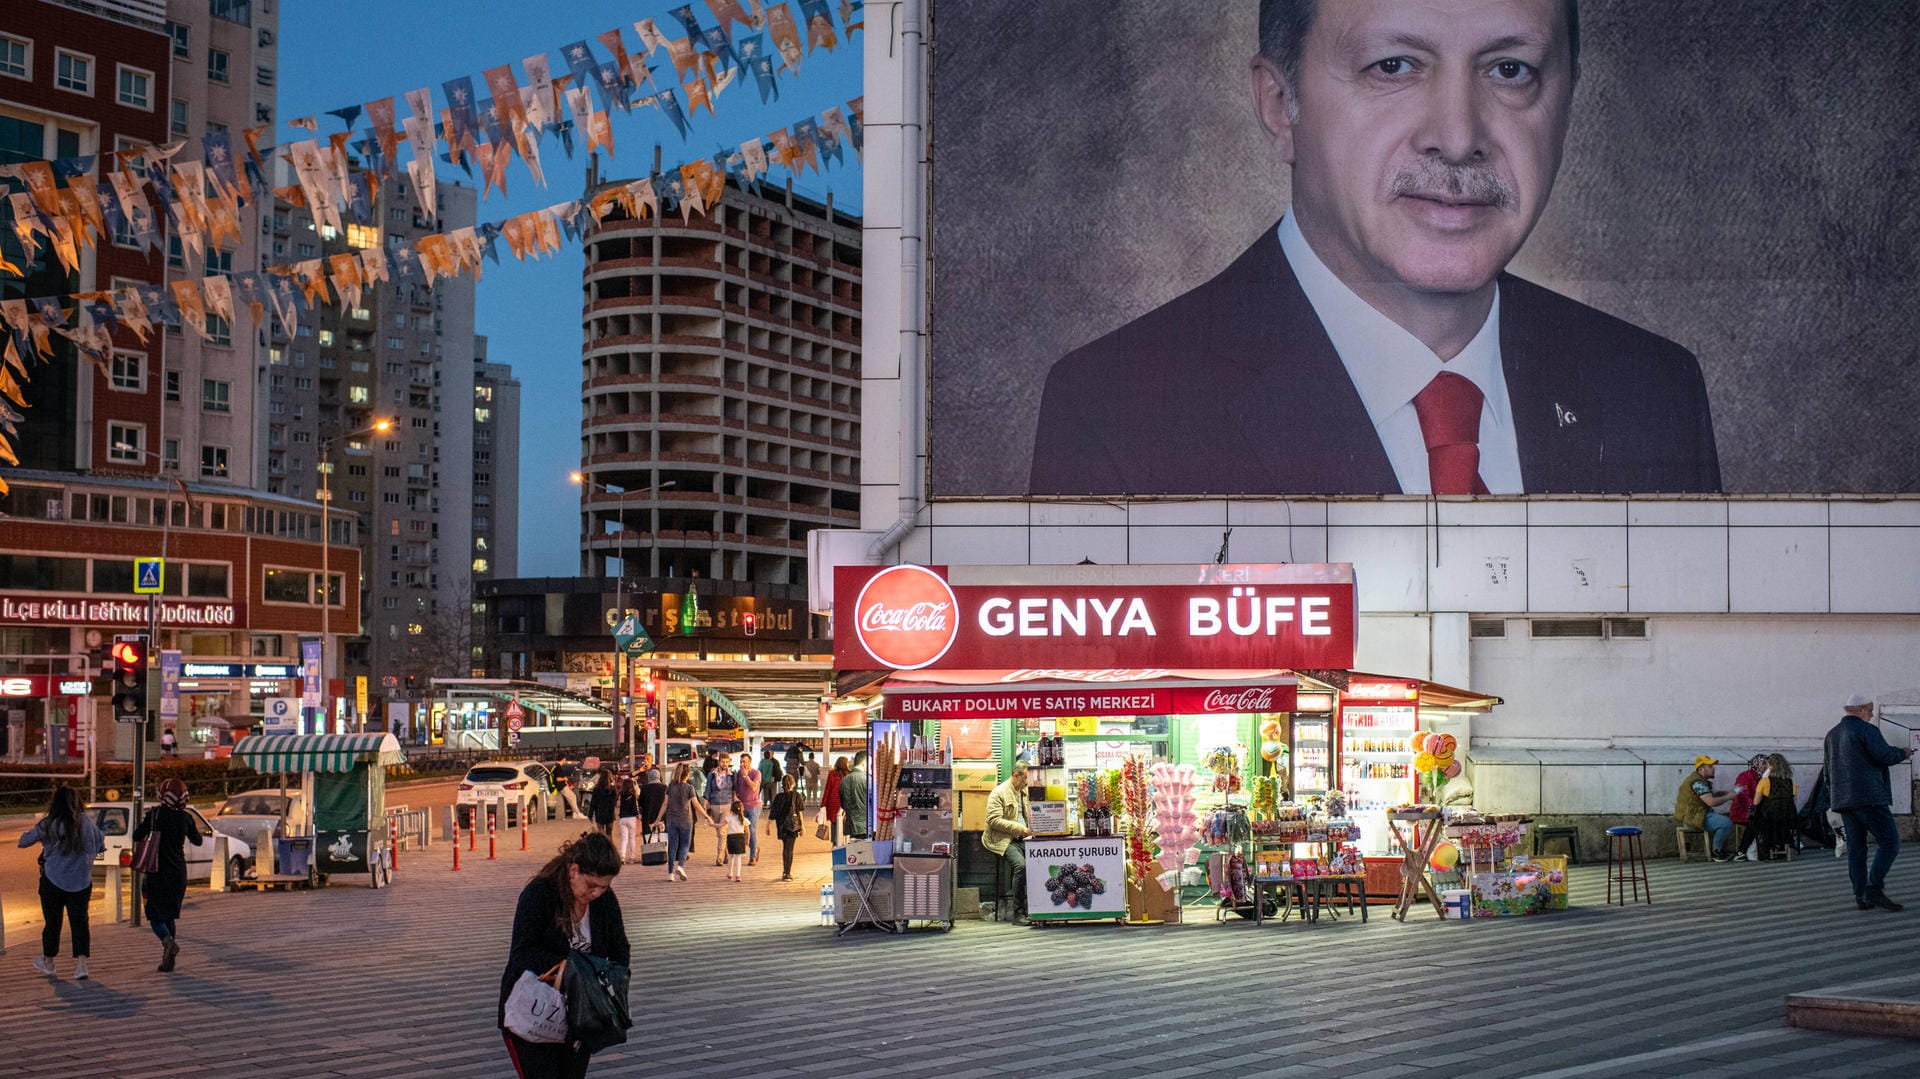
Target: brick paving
{"points": [[741, 979]]}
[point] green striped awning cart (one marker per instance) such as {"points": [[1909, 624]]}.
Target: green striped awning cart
{"points": [[266, 753]]}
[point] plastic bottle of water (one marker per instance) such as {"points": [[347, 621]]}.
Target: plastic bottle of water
{"points": [[826, 904]]}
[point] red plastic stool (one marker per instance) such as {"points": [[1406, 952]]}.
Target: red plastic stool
{"points": [[1626, 864]]}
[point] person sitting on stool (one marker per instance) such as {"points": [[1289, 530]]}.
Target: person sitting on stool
{"points": [[1007, 831], [1699, 807]]}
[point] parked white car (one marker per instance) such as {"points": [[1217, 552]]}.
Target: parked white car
{"points": [[116, 825], [243, 815], [516, 781]]}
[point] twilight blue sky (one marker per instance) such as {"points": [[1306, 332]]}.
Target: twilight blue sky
{"points": [[343, 52]]}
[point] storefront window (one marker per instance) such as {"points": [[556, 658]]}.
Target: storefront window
{"points": [[44, 574], [287, 586]]}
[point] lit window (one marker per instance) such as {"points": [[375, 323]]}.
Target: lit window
{"points": [[479, 565], [415, 629], [129, 371], [357, 394], [217, 62], [16, 57], [274, 355], [126, 442], [482, 415], [361, 313], [362, 236], [326, 337], [329, 233], [136, 87], [213, 462], [73, 71]]}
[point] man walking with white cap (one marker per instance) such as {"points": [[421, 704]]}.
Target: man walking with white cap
{"points": [[1857, 759]]}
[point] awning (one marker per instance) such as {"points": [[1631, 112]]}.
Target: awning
{"points": [[1035, 693], [1432, 694], [316, 752]]}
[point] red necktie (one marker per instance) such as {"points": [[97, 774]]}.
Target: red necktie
{"points": [[1449, 411]]}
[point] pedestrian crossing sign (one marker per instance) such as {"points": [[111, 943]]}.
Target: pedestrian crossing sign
{"points": [[147, 575]]}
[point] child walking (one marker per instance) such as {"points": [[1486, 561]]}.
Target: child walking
{"points": [[735, 825]]}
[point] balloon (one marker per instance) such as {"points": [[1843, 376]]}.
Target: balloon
{"points": [[1270, 729], [1424, 762], [1445, 857], [1418, 742], [1271, 750], [1451, 769], [1447, 745], [1441, 760]]}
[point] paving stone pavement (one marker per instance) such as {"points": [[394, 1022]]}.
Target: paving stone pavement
{"points": [[741, 979]]}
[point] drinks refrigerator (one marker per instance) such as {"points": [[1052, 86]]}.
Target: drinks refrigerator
{"points": [[1375, 731], [1312, 755]]}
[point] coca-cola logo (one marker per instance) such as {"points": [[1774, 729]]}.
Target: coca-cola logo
{"points": [[907, 617], [1250, 699]]}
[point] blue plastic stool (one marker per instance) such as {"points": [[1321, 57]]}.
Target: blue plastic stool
{"points": [[1626, 864]]}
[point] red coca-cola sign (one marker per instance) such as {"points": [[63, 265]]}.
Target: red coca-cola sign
{"points": [[1247, 699], [1231, 617], [906, 617]]}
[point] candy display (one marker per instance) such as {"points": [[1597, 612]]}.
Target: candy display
{"points": [[1265, 800], [1224, 763], [1173, 816]]}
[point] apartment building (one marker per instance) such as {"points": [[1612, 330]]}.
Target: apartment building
{"points": [[404, 355], [720, 373]]}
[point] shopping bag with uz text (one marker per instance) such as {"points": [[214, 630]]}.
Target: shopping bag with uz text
{"points": [[536, 1011], [596, 992], [653, 849]]}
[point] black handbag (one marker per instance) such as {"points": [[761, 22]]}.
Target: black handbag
{"points": [[596, 992]]}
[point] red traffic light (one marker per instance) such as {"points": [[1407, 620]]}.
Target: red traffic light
{"points": [[127, 653]]}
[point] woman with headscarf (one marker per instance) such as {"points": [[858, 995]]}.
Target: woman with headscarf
{"points": [[166, 889], [831, 800], [69, 841]]}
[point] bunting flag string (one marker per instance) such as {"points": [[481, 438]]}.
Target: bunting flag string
{"points": [[289, 291], [199, 198]]}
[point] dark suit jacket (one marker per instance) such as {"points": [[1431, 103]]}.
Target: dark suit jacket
{"points": [[1235, 388]]}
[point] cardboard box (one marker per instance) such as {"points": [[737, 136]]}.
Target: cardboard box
{"points": [[1556, 867], [1456, 903], [1500, 895]]}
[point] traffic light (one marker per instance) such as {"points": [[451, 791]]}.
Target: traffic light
{"points": [[751, 622], [129, 663]]}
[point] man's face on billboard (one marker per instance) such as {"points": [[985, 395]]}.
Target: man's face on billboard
{"points": [[1425, 135]]}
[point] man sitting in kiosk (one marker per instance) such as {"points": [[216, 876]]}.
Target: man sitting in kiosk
{"points": [[1007, 831]]}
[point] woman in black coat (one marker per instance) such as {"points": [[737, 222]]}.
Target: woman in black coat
{"points": [[568, 904], [787, 823], [166, 890], [604, 799]]}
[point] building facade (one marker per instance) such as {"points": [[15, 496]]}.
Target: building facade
{"points": [[496, 468], [720, 377], [242, 582], [405, 354]]}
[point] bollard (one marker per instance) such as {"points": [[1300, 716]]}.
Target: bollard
{"points": [[393, 839], [217, 871], [473, 826], [523, 825], [116, 904], [3, 923], [455, 814], [490, 823]]}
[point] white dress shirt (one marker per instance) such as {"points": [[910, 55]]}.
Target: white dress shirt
{"points": [[1389, 366]]}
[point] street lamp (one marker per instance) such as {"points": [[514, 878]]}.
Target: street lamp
{"points": [[580, 479], [325, 498]]}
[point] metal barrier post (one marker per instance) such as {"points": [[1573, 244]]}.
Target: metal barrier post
{"points": [[492, 817], [523, 824], [393, 840], [453, 813], [217, 872], [116, 904], [473, 826]]}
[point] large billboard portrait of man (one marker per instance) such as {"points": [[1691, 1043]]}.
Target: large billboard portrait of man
{"points": [[1375, 335]]}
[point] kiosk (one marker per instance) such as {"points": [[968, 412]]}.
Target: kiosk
{"points": [[345, 780]]}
